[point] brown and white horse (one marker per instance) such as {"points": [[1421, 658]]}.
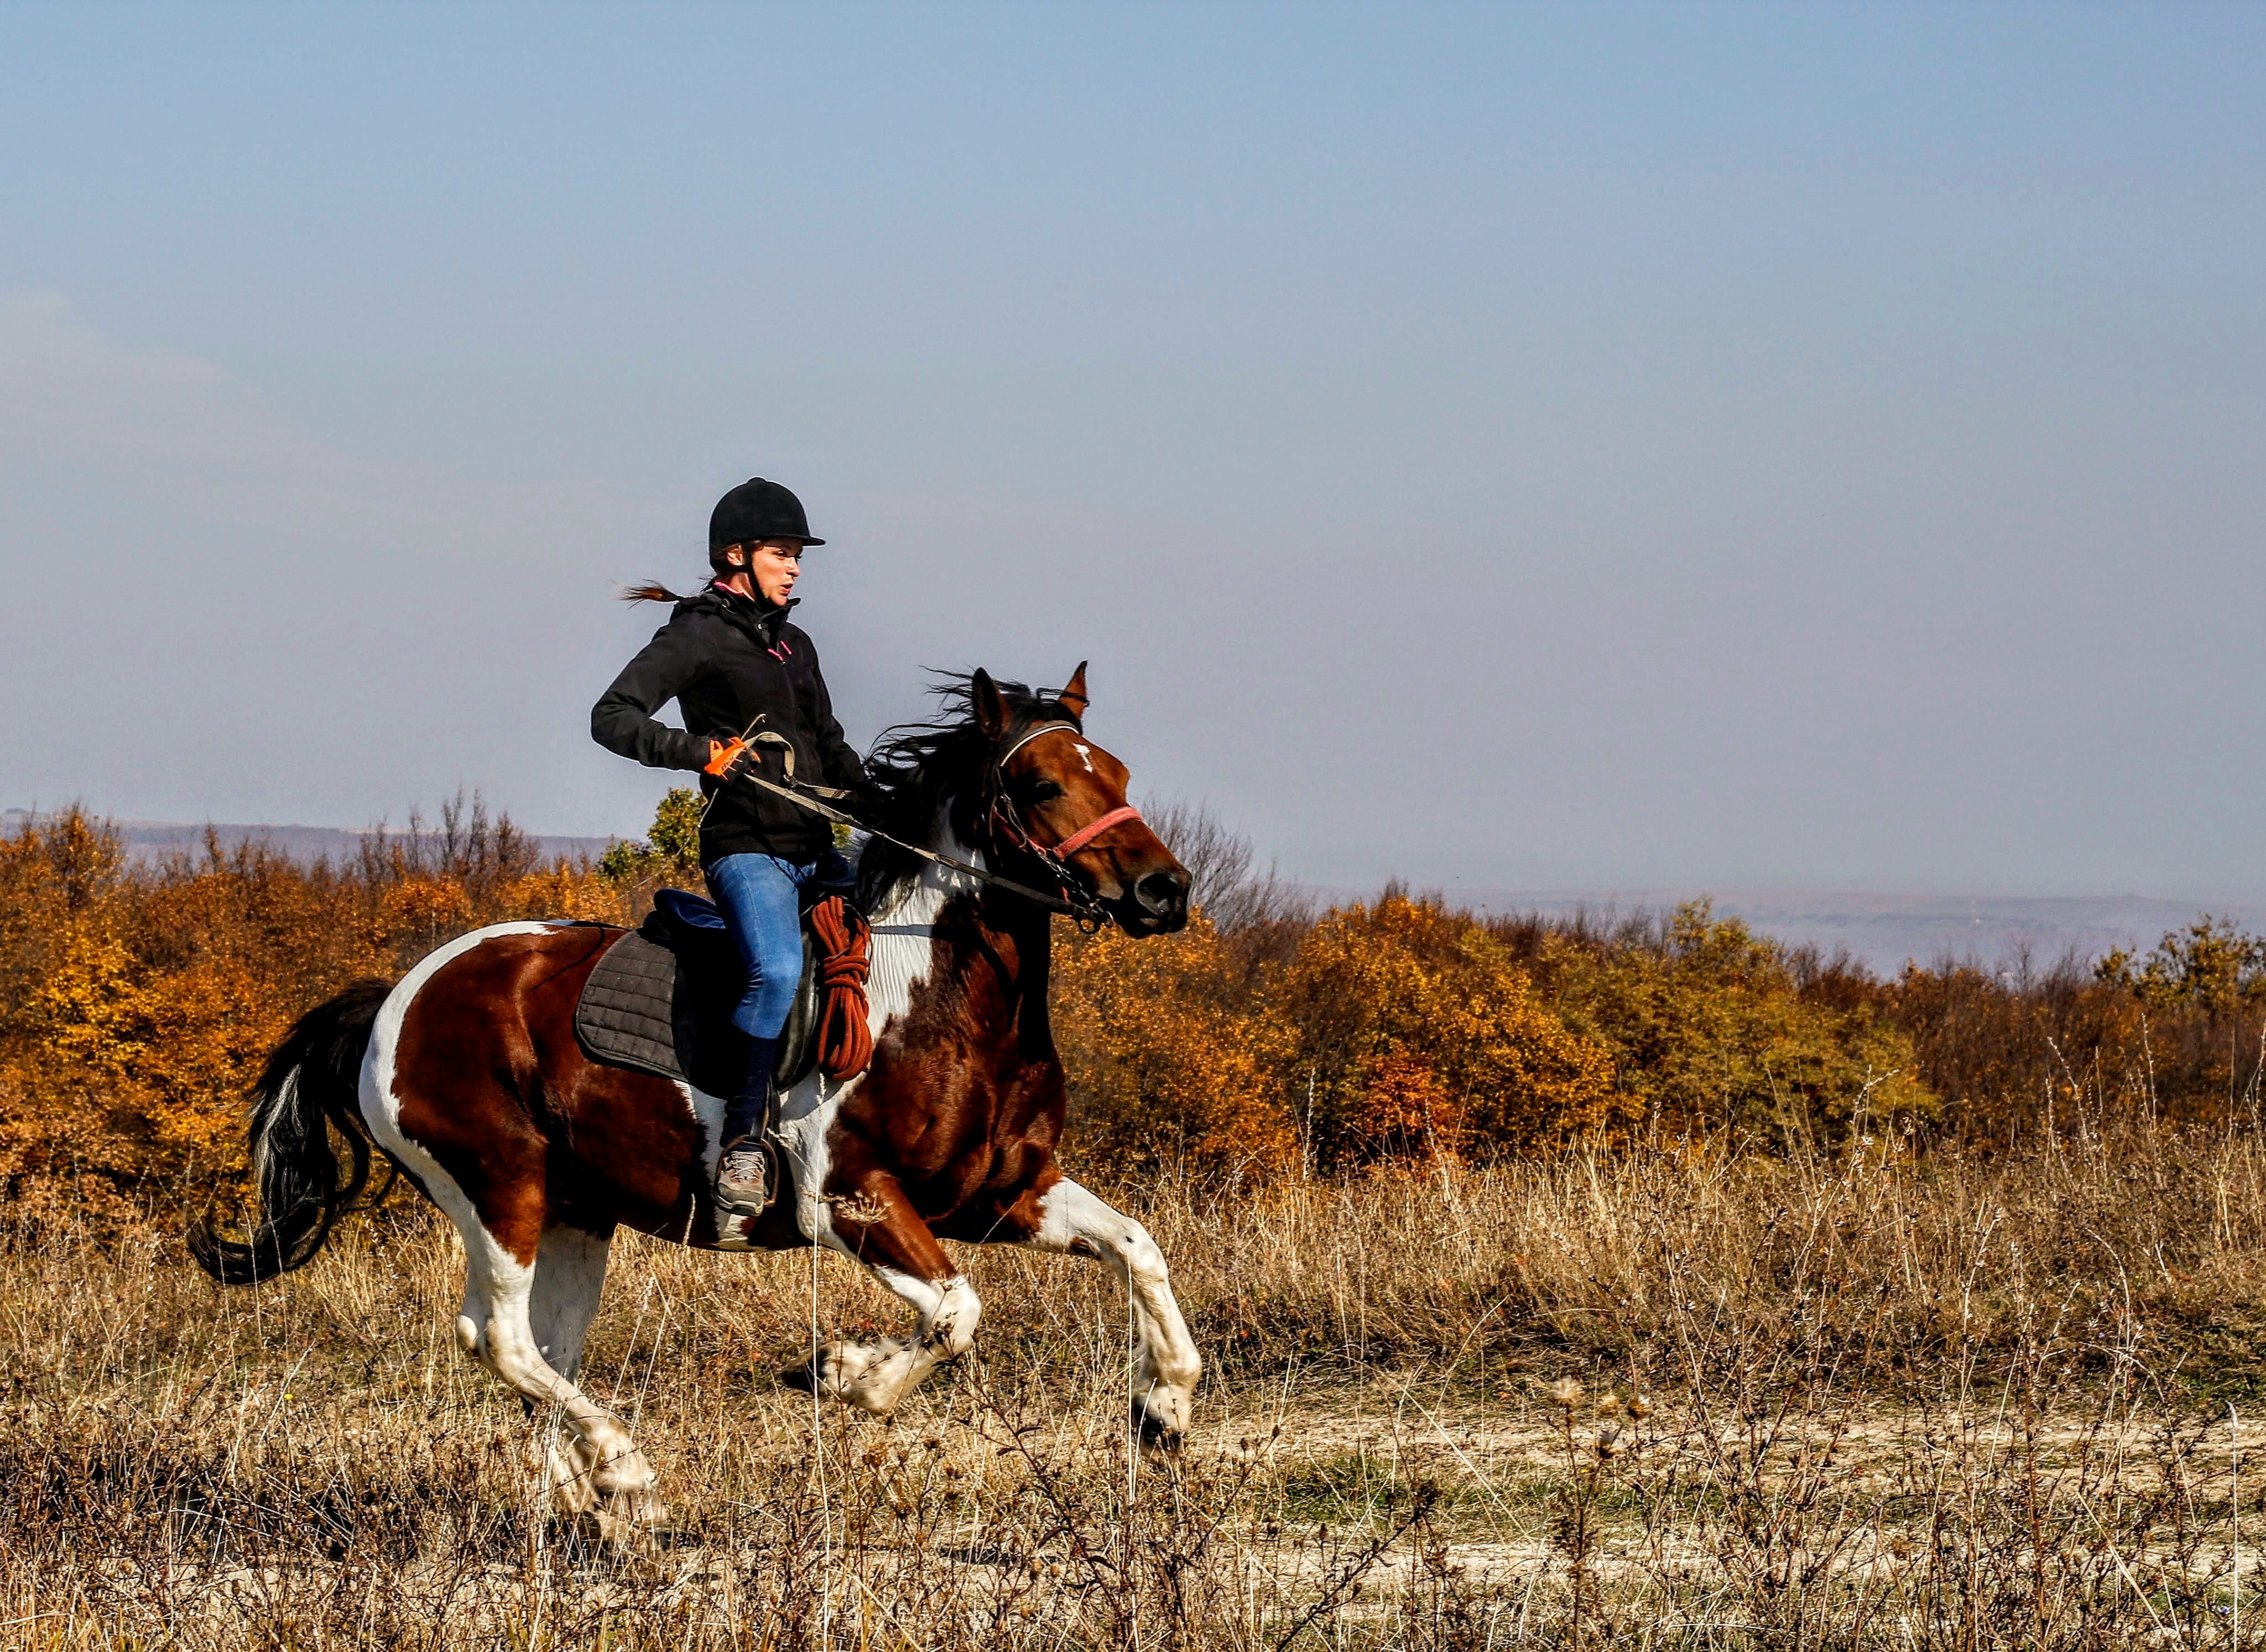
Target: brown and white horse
{"points": [[467, 1074]]}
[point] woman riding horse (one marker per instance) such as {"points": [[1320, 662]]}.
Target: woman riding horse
{"points": [[740, 671], [468, 1075]]}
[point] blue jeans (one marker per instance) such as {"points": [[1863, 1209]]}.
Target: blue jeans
{"points": [[761, 898]]}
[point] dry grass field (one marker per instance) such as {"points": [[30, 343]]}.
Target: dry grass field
{"points": [[1948, 1339], [1659, 1399]]}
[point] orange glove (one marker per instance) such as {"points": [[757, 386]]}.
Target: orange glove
{"points": [[723, 756]]}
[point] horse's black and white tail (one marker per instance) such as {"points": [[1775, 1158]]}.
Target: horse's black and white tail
{"points": [[312, 1081]]}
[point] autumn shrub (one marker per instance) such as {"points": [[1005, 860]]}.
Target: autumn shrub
{"points": [[140, 1002], [2177, 1033], [1710, 1030], [1719, 1025], [1390, 1032], [2211, 966], [1168, 1063], [1420, 1036], [1398, 1030], [137, 1001], [72, 1002]]}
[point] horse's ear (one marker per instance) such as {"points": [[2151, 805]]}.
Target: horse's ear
{"points": [[990, 710], [1073, 695]]}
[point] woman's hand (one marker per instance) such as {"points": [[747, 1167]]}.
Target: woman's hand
{"points": [[724, 756]]}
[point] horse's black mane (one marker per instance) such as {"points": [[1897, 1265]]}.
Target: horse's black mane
{"points": [[914, 767]]}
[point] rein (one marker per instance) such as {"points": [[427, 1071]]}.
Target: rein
{"points": [[1073, 902]]}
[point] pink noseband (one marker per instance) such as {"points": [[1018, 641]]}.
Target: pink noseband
{"points": [[1093, 828], [1077, 840]]}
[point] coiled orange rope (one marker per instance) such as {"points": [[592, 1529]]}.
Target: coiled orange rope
{"points": [[845, 1042]]}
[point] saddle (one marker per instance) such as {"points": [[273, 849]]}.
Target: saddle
{"points": [[661, 1000]]}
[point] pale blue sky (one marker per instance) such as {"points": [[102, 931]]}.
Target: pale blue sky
{"points": [[1513, 446]]}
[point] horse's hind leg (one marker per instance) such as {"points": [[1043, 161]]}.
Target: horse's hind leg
{"points": [[433, 1095], [570, 1277], [1165, 1363], [602, 1471], [877, 1225]]}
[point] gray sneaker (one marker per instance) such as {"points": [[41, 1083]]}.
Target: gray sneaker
{"points": [[743, 1178]]}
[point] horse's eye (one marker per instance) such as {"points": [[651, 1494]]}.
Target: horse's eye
{"points": [[1045, 792]]}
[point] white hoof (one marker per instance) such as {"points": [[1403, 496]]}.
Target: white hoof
{"points": [[871, 1376], [1161, 1417], [631, 1521]]}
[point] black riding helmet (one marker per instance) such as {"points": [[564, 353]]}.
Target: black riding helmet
{"points": [[755, 509]]}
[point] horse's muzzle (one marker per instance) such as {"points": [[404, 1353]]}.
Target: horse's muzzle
{"points": [[1161, 900]]}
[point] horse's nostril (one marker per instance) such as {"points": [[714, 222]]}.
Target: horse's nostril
{"points": [[1164, 892]]}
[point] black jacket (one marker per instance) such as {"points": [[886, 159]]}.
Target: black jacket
{"points": [[725, 660]]}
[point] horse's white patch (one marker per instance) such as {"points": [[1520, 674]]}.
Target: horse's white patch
{"points": [[381, 1111], [951, 1325], [902, 952], [570, 1277], [513, 1321], [1085, 756], [875, 1376]]}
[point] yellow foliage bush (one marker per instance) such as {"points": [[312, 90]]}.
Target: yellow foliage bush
{"points": [[1163, 1066], [140, 1004], [1710, 1030], [419, 914], [1421, 1036], [2212, 966], [563, 891]]}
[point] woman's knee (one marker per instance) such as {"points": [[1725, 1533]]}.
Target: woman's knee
{"points": [[769, 998]]}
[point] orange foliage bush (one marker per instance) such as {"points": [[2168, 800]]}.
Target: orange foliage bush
{"points": [[1422, 1036], [1164, 1066], [1395, 1031], [140, 1003]]}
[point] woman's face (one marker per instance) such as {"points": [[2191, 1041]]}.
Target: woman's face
{"points": [[773, 566]]}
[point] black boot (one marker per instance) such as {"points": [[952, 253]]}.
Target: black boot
{"points": [[743, 1169]]}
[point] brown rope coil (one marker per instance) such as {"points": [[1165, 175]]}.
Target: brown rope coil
{"points": [[845, 1041]]}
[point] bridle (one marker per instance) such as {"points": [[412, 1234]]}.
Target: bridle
{"points": [[1008, 825], [1073, 900]]}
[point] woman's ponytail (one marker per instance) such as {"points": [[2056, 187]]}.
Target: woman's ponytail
{"points": [[651, 591]]}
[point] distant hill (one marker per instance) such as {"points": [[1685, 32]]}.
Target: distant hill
{"points": [[148, 840], [1883, 932]]}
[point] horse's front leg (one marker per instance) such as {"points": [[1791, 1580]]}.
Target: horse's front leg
{"points": [[1165, 1363], [876, 1225]]}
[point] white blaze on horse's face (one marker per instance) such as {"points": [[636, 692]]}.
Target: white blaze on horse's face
{"points": [[1085, 756]]}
